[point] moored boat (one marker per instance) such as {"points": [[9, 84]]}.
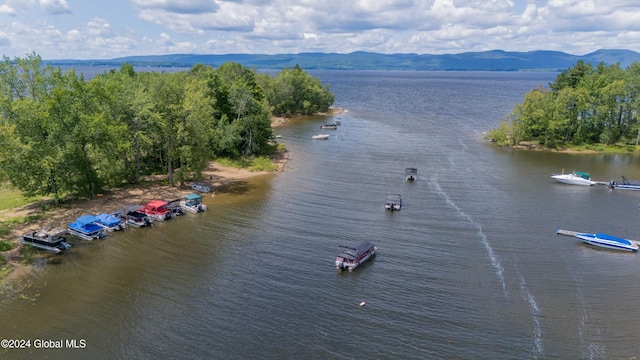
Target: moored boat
{"points": [[50, 239], [574, 178], [85, 227], [625, 184], [132, 215], [156, 210], [199, 187], [175, 208], [111, 222], [351, 256], [333, 126], [320, 137], [411, 174], [608, 241], [393, 202], [193, 203]]}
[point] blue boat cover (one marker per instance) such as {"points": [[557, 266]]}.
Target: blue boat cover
{"points": [[108, 220], [86, 219], [613, 238]]}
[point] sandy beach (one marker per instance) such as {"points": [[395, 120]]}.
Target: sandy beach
{"points": [[215, 175]]}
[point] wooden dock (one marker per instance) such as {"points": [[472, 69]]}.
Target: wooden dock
{"points": [[574, 233]]}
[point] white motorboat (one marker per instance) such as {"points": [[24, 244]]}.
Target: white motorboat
{"points": [[320, 137], [574, 178], [608, 241], [351, 256]]}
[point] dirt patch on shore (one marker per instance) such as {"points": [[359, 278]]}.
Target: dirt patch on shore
{"points": [[280, 121], [155, 187]]}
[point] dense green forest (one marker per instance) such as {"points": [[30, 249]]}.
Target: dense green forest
{"points": [[62, 135], [586, 105]]}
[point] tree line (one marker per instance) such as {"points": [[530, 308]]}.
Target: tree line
{"points": [[62, 135], [585, 105]]}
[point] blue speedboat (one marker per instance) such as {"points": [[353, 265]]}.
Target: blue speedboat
{"points": [[608, 241], [85, 227]]}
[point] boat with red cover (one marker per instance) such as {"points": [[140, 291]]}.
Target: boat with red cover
{"points": [[157, 210]]}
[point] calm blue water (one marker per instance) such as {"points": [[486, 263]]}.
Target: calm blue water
{"points": [[470, 268]]}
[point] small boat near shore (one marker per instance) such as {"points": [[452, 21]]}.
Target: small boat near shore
{"points": [[608, 241], [574, 178], [156, 210], [132, 215], [625, 184], [111, 222], [193, 203], [351, 256], [393, 202], [199, 187], [50, 239], [85, 227], [320, 137], [175, 208]]}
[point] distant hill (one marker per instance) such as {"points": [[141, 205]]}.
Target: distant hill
{"points": [[495, 60]]}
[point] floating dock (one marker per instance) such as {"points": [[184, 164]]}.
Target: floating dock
{"points": [[574, 233]]}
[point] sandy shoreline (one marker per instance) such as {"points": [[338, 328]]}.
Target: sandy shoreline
{"points": [[215, 175]]}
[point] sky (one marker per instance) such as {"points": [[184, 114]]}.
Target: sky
{"points": [[107, 29]]}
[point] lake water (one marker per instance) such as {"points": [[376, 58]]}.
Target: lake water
{"points": [[470, 268]]}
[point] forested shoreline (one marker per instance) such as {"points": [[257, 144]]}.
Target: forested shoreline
{"points": [[586, 105], [62, 135]]}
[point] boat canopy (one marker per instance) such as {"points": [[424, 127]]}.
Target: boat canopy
{"points": [[192, 197], [354, 251], [131, 208], [410, 171], [583, 175], [156, 203], [108, 220], [86, 219]]}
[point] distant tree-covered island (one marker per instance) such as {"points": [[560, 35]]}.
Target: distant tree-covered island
{"points": [[62, 135], [586, 107]]}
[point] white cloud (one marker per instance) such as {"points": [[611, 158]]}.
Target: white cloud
{"points": [[56, 7], [6, 9], [98, 27], [177, 6], [282, 26]]}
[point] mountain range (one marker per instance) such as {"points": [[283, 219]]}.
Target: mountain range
{"points": [[494, 60]]}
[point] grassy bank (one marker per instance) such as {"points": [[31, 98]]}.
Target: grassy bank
{"points": [[586, 148]]}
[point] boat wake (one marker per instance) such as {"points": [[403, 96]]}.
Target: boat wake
{"points": [[495, 260], [589, 330], [496, 263], [535, 313]]}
